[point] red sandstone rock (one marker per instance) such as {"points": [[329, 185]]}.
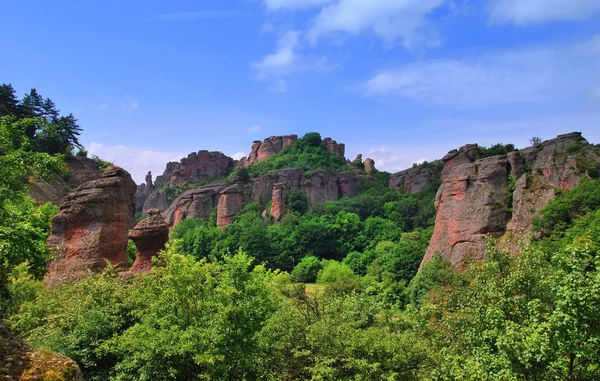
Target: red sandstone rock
{"points": [[150, 236], [278, 202], [92, 225], [472, 201], [230, 204], [269, 147], [335, 147], [370, 166], [415, 180]]}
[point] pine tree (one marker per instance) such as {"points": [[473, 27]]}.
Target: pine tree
{"points": [[9, 104]]}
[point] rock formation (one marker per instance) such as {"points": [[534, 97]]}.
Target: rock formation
{"points": [[278, 202], [269, 147], [416, 179], [198, 166], [80, 170], [370, 166], [92, 225], [319, 186], [500, 195], [230, 204], [150, 236], [20, 361], [335, 147]]}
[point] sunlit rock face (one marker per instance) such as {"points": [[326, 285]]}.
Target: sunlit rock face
{"points": [[92, 226], [499, 196]]}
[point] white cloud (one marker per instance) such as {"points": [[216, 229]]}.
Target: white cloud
{"points": [[135, 160], [275, 5], [388, 19], [101, 106], [255, 128], [380, 149], [527, 75], [280, 63], [238, 155], [523, 12], [285, 61]]}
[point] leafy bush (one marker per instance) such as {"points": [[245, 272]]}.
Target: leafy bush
{"points": [[307, 269]]}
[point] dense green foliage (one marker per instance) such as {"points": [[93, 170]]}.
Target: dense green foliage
{"points": [[496, 149], [308, 152], [24, 226], [382, 231]]}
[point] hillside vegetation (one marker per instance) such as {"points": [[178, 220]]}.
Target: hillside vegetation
{"points": [[330, 292]]}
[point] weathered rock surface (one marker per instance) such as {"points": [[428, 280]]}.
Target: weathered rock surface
{"points": [[417, 179], [278, 202], [198, 166], [230, 204], [20, 361], [92, 226], [476, 198], [269, 147], [150, 236], [195, 203], [335, 147], [81, 170], [319, 186], [370, 166]]}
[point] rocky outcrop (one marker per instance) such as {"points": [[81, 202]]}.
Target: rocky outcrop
{"points": [[198, 166], [335, 147], [370, 166], [499, 196], [21, 361], [92, 225], [269, 147], [319, 186], [278, 202], [418, 178], [195, 203], [230, 204], [150, 236], [80, 170]]}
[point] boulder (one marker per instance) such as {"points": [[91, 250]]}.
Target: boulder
{"points": [[21, 361], [150, 236], [92, 225]]}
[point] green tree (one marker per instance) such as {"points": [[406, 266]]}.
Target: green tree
{"points": [[23, 226]]}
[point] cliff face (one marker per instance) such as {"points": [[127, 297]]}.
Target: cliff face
{"points": [[500, 195], [81, 170], [319, 186], [417, 179]]}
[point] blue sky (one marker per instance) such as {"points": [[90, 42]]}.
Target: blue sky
{"points": [[396, 80]]}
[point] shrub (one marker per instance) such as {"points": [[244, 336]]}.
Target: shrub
{"points": [[306, 271]]}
